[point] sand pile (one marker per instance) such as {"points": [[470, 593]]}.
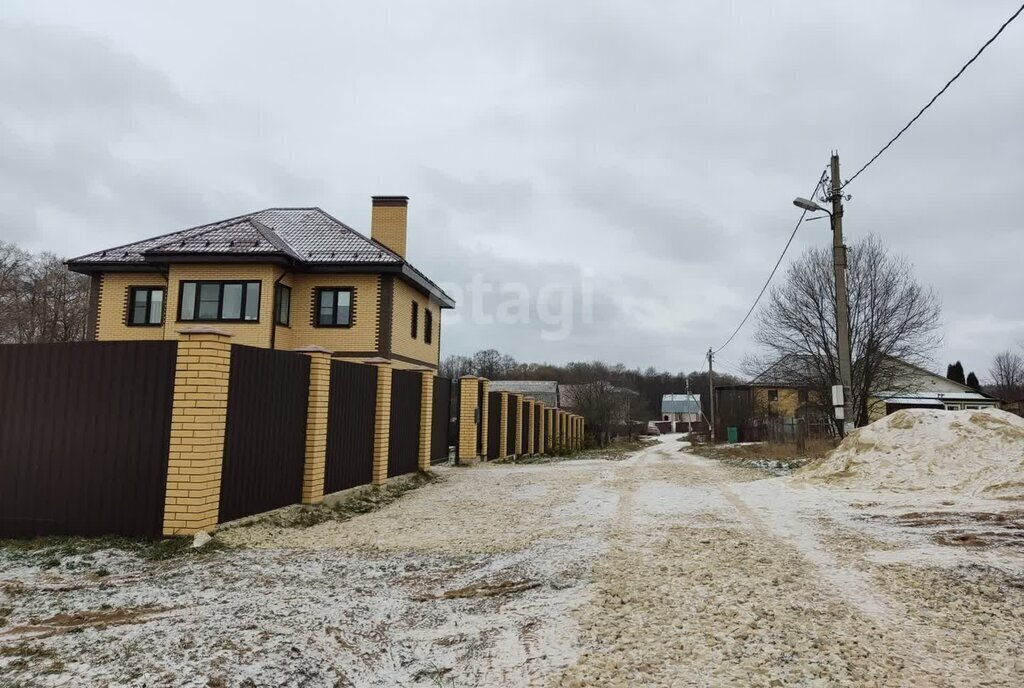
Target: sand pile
{"points": [[976, 453]]}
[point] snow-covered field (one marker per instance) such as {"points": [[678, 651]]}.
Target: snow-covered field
{"points": [[665, 569]]}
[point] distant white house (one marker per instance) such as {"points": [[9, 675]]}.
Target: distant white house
{"points": [[915, 387], [682, 408]]}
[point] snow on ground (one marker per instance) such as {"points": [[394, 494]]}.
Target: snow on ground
{"points": [[666, 569]]}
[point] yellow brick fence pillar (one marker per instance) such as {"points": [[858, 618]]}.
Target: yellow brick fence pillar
{"points": [[539, 439], [503, 429], [198, 417], [316, 423], [485, 405], [426, 418], [517, 449], [382, 424], [469, 393]]}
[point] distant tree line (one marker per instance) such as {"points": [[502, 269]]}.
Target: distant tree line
{"points": [[40, 299], [650, 384]]}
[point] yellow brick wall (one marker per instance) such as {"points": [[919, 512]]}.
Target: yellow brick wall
{"points": [[113, 303], [362, 336], [528, 409], [468, 397], [382, 425], [426, 418], [316, 428], [198, 417], [388, 226], [402, 342], [248, 333]]}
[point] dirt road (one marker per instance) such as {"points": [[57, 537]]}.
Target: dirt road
{"points": [[665, 569]]}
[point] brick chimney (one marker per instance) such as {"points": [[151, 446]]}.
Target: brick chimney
{"points": [[387, 222]]}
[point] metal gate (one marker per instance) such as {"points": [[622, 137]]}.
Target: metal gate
{"points": [[493, 425], [84, 434], [265, 435], [440, 420], [404, 437], [351, 415], [512, 422]]}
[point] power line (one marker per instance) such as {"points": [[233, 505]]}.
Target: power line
{"points": [[774, 269], [936, 96]]}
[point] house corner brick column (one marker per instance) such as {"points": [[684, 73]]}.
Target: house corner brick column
{"points": [[316, 424], [199, 414], [426, 418], [503, 429], [469, 391], [382, 424], [484, 420]]}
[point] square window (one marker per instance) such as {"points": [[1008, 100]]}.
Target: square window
{"points": [[146, 306], [773, 395], [334, 307]]}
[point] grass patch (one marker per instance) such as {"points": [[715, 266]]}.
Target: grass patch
{"points": [[50, 552], [777, 458], [360, 501]]}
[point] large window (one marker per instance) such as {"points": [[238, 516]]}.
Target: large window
{"points": [[415, 319], [145, 306], [282, 304], [333, 307], [220, 301], [428, 325]]}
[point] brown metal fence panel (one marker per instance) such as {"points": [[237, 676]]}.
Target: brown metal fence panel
{"points": [[265, 435], [493, 425], [480, 392], [537, 415], [524, 427], [404, 438], [84, 434], [350, 426], [440, 420], [512, 422]]}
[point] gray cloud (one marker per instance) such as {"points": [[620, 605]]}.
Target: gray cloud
{"points": [[655, 146]]}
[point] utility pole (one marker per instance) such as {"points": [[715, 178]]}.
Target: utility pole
{"points": [[842, 300], [689, 397], [711, 390]]}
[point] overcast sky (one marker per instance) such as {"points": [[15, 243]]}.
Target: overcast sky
{"points": [[649, 149]]}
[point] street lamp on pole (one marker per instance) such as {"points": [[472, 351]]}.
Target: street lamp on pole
{"points": [[843, 404]]}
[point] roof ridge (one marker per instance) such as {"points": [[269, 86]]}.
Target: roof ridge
{"points": [[274, 238]]}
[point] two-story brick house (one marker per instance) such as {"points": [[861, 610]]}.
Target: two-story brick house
{"points": [[280, 278]]}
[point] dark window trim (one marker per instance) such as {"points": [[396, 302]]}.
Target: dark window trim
{"points": [[428, 326], [220, 301], [149, 300], [278, 288], [351, 307], [415, 319]]}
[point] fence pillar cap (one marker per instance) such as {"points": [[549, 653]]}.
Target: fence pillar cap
{"points": [[419, 369], [378, 361], [312, 349], [470, 377]]}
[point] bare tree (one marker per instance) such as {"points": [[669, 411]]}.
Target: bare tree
{"points": [[892, 318], [40, 300], [602, 405], [1007, 373]]}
